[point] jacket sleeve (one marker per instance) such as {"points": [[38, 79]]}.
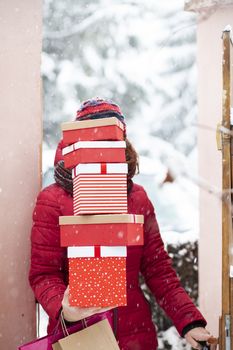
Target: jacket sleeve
{"points": [[161, 278], [47, 270]]}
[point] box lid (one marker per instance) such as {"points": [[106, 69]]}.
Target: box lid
{"points": [[91, 123], [101, 219], [96, 251], [93, 144], [100, 168]]}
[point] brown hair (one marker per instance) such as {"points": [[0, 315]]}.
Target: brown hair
{"points": [[131, 159]]}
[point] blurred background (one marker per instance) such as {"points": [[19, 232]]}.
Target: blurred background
{"points": [[142, 55]]}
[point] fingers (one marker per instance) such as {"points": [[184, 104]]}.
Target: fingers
{"points": [[74, 313], [105, 309], [199, 334], [67, 291], [89, 311], [202, 337], [212, 340], [96, 310], [193, 342], [66, 297], [213, 347]]}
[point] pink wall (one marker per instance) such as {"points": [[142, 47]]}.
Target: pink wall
{"points": [[210, 112], [21, 133]]}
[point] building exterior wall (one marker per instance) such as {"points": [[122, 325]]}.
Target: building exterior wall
{"points": [[209, 59], [20, 176]]}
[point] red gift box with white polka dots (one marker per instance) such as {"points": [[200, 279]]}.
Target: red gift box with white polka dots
{"points": [[97, 276], [99, 282]]}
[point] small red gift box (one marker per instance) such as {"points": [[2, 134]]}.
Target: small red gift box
{"points": [[100, 188], [93, 130], [111, 230], [99, 282], [94, 152]]}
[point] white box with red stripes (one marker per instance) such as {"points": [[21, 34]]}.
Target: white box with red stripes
{"points": [[100, 188]]}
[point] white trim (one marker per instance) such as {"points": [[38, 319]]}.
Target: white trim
{"points": [[95, 168], [120, 251], [93, 144], [79, 252], [89, 251], [99, 144]]}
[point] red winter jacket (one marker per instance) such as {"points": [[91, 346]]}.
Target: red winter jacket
{"points": [[48, 272]]}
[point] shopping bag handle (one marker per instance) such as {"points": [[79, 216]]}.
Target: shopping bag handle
{"points": [[63, 324]]}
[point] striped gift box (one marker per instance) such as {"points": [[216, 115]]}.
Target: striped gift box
{"points": [[100, 188], [100, 194]]}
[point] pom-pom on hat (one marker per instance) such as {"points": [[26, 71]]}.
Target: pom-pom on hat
{"points": [[96, 108]]}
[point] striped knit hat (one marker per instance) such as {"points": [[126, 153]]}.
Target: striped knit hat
{"points": [[96, 108]]}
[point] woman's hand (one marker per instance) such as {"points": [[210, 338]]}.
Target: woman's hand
{"points": [[200, 334], [73, 313]]}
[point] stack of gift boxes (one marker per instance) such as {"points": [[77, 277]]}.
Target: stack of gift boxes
{"points": [[98, 233]]}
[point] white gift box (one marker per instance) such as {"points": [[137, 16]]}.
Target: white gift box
{"points": [[100, 168], [96, 251]]}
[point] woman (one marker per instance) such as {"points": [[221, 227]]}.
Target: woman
{"points": [[48, 273]]}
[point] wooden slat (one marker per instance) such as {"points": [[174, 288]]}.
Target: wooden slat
{"points": [[227, 181], [228, 110]]}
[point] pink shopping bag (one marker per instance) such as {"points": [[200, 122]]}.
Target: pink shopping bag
{"points": [[45, 343]]}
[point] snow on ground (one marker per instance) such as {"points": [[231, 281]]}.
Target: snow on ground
{"points": [[43, 322], [171, 337]]}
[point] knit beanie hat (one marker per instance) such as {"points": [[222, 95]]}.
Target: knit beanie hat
{"points": [[96, 108]]}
